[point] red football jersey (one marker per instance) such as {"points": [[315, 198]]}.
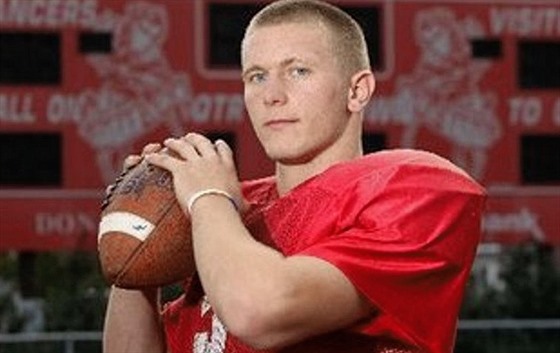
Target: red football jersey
{"points": [[402, 225]]}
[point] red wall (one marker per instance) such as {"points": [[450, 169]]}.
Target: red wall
{"points": [[431, 94]]}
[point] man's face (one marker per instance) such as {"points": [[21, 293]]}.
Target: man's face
{"points": [[295, 90]]}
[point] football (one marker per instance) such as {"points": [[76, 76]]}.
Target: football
{"points": [[144, 237]]}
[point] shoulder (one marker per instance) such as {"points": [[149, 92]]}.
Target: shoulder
{"points": [[394, 167]]}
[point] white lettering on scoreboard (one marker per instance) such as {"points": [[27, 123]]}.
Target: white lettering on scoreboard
{"points": [[70, 108], [525, 111], [530, 111], [49, 13], [64, 223], [16, 108], [525, 21]]}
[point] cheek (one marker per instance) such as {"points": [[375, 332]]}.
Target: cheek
{"points": [[331, 89], [327, 102], [247, 97], [253, 112], [249, 100], [331, 112]]}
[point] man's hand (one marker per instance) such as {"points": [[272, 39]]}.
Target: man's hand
{"points": [[198, 164], [133, 159]]}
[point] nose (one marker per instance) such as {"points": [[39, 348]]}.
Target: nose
{"points": [[275, 92]]}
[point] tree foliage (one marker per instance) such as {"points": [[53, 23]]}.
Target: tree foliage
{"points": [[75, 295]]}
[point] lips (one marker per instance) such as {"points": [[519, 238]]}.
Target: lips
{"points": [[279, 123]]}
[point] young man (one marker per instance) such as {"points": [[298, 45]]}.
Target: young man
{"points": [[336, 252]]}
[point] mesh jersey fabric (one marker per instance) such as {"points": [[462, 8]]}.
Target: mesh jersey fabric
{"points": [[402, 225]]}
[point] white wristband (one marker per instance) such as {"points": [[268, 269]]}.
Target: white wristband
{"points": [[205, 192]]}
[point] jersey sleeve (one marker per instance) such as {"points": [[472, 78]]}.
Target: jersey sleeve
{"points": [[406, 239]]}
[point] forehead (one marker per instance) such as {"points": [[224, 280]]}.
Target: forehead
{"points": [[269, 43]]}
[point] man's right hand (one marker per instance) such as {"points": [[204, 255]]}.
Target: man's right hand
{"points": [[133, 159]]}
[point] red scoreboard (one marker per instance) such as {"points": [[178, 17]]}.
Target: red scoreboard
{"points": [[84, 83]]}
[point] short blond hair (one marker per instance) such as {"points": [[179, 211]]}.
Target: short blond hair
{"points": [[347, 37]]}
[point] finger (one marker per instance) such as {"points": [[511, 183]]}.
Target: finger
{"points": [[151, 148], [163, 160], [224, 151], [131, 161], [203, 145], [182, 148]]}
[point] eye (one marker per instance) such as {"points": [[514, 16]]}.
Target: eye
{"points": [[256, 77], [299, 72]]}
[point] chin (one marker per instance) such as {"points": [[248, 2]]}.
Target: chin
{"points": [[289, 157], [280, 156], [293, 152]]}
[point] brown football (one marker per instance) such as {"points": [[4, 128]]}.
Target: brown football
{"points": [[144, 237]]}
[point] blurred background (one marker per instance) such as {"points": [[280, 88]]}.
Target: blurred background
{"points": [[83, 83]]}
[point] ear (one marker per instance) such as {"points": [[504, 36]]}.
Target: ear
{"points": [[362, 86]]}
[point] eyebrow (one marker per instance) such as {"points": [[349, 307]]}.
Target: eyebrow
{"points": [[283, 63], [250, 70]]}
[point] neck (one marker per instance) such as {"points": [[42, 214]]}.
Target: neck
{"points": [[289, 176]]}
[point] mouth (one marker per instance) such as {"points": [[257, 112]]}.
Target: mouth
{"points": [[279, 123]]}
